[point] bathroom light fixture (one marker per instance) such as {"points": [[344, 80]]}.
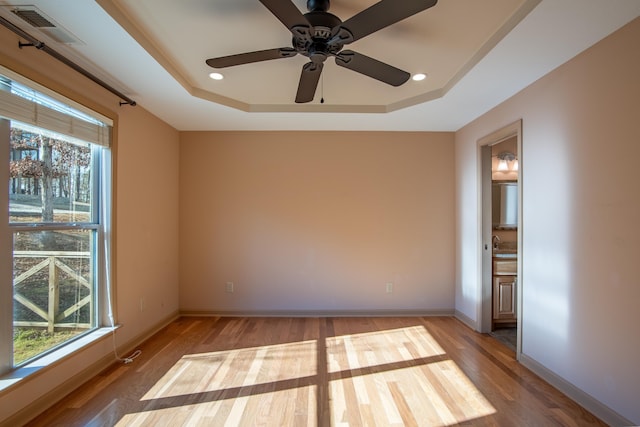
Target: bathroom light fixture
{"points": [[419, 77], [216, 76], [504, 159]]}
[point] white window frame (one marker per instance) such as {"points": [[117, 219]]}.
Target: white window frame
{"points": [[100, 139]]}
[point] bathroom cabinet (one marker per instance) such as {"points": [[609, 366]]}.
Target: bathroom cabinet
{"points": [[504, 299]]}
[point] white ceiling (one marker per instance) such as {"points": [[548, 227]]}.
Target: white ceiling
{"points": [[444, 42], [472, 65]]}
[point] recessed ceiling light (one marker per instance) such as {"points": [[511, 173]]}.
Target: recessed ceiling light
{"points": [[419, 77], [216, 76]]}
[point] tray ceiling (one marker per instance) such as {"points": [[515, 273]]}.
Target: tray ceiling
{"points": [[443, 42], [476, 53]]}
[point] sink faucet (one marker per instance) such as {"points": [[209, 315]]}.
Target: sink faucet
{"points": [[496, 240]]}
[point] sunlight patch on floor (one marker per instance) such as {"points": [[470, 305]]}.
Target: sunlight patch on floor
{"points": [[223, 370], [389, 346], [392, 377], [398, 377], [295, 406]]}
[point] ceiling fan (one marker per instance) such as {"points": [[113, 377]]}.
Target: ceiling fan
{"points": [[319, 34]]}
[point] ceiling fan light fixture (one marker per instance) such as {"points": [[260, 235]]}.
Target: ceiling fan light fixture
{"points": [[419, 77], [216, 76]]}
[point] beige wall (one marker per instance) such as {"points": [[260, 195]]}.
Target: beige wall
{"points": [[316, 222], [147, 212], [581, 206], [145, 216]]}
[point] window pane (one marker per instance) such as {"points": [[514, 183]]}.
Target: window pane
{"points": [[53, 289], [49, 177]]}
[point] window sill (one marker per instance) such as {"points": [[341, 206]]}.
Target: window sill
{"points": [[25, 371]]}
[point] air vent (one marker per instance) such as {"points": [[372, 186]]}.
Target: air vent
{"points": [[33, 18], [44, 24]]}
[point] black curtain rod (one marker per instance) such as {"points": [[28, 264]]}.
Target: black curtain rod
{"points": [[32, 41]]}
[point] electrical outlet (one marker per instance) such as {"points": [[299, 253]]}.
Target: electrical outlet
{"points": [[389, 287], [229, 287], [143, 304]]}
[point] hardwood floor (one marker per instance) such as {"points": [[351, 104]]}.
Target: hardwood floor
{"points": [[431, 371]]}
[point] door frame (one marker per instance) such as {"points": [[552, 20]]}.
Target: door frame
{"points": [[485, 230]]}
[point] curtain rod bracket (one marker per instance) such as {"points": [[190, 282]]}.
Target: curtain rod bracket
{"points": [[32, 41], [39, 45]]}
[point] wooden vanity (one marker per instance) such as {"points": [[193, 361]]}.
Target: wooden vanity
{"points": [[505, 281]]}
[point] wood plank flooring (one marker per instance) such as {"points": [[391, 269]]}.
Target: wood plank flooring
{"points": [[420, 371]]}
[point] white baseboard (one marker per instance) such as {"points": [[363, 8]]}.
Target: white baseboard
{"points": [[466, 320], [585, 400], [320, 313], [131, 345]]}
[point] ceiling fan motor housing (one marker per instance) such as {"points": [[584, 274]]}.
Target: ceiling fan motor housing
{"points": [[323, 26]]}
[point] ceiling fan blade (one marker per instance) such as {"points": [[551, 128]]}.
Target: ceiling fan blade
{"points": [[250, 57], [309, 81], [372, 67], [289, 15], [383, 14]]}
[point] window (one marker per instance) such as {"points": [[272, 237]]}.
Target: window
{"points": [[56, 226]]}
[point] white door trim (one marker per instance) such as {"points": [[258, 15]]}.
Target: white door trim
{"points": [[484, 229]]}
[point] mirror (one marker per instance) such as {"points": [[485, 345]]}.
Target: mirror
{"points": [[504, 206]]}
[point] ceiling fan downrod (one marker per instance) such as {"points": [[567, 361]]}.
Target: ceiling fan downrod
{"points": [[318, 5]]}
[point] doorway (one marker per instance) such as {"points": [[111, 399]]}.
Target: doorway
{"points": [[500, 311]]}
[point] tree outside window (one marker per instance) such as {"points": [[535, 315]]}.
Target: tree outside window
{"points": [[56, 231]]}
